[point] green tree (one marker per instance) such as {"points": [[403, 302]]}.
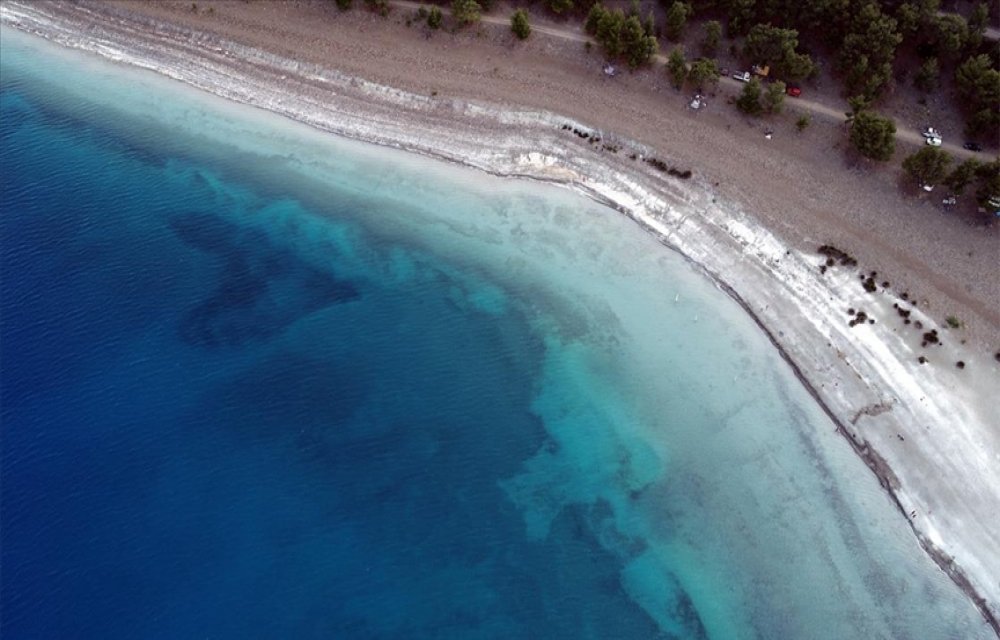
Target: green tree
{"points": [[677, 16], [466, 11], [619, 35], [594, 16], [434, 18], [866, 78], [638, 45], [927, 76], [774, 97], [803, 122], [749, 99], [703, 71], [874, 136], [907, 19], [978, 85], [983, 122], [519, 24], [740, 14], [677, 67], [876, 33], [767, 44], [857, 105], [962, 175], [609, 32], [927, 166], [978, 82], [559, 7], [950, 34], [343, 5], [979, 19], [867, 51], [713, 33]]}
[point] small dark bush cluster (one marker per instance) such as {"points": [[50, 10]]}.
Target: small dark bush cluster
{"points": [[662, 166], [860, 317], [434, 18], [834, 253], [930, 337]]}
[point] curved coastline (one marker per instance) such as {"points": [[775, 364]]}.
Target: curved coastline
{"points": [[852, 373]]}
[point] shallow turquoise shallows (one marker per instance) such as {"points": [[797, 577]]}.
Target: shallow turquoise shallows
{"points": [[261, 382]]}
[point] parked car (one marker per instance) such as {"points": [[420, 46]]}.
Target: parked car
{"points": [[934, 141], [793, 91], [742, 76], [973, 146]]}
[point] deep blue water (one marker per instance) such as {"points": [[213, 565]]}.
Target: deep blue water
{"points": [[258, 382], [209, 430]]}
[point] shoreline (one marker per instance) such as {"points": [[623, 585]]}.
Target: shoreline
{"points": [[850, 372]]}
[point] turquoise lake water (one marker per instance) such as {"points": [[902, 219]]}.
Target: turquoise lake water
{"points": [[261, 382]]}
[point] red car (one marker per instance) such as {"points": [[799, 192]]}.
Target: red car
{"points": [[794, 91]]}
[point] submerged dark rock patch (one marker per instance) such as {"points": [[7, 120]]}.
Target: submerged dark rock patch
{"points": [[262, 288]]}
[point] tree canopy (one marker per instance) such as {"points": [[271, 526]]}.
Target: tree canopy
{"points": [[519, 24], [703, 71], [435, 18], [749, 100], [927, 76], [873, 135], [713, 33], [950, 34], [927, 166], [559, 7], [677, 67], [977, 23], [774, 97], [621, 36], [868, 50], [677, 16], [978, 85], [962, 175], [466, 11]]}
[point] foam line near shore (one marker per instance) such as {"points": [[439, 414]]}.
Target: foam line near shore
{"points": [[926, 431]]}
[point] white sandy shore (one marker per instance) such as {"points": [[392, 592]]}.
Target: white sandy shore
{"points": [[930, 432]]}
